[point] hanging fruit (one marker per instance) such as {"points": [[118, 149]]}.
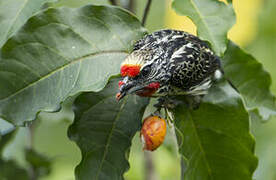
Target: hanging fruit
{"points": [[153, 132]]}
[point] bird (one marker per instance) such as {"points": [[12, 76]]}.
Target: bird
{"points": [[169, 63]]}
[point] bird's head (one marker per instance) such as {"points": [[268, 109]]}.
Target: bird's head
{"points": [[140, 74]]}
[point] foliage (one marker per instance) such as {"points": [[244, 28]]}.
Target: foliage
{"points": [[215, 139], [57, 54], [39, 165], [212, 18], [245, 72], [14, 14], [103, 130], [61, 52], [9, 169]]}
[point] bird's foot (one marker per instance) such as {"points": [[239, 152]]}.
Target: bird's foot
{"points": [[166, 103], [193, 102], [171, 102]]}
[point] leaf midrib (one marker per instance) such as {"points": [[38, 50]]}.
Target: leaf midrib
{"points": [[109, 137], [204, 23], [12, 22], [60, 68], [200, 146]]}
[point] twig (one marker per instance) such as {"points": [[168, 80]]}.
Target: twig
{"points": [[32, 173], [131, 5], [113, 2], [149, 167], [146, 11], [31, 135]]}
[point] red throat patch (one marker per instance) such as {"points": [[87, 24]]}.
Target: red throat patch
{"points": [[149, 90], [154, 85], [130, 70]]}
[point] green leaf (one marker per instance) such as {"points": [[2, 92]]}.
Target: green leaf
{"points": [[14, 13], [40, 164], [59, 53], [215, 138], [250, 78], [11, 171], [4, 139], [5, 127], [103, 129], [212, 18]]}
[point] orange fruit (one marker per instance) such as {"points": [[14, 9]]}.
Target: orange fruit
{"points": [[153, 132]]}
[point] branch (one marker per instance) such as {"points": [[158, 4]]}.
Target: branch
{"points": [[113, 2], [131, 6], [149, 167], [146, 11], [32, 173]]}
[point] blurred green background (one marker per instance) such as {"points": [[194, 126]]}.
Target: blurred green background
{"points": [[255, 31]]}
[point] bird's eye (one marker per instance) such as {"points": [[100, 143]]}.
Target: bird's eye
{"points": [[145, 71]]}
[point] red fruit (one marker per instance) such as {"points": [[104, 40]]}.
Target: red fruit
{"points": [[153, 132]]}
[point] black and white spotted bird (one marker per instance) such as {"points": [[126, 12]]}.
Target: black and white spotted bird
{"points": [[169, 63]]}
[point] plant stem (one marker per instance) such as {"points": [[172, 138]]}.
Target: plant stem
{"points": [[149, 167], [146, 11], [113, 2], [32, 172], [131, 5]]}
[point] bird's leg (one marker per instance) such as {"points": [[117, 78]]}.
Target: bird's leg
{"points": [[160, 104], [171, 102], [167, 102]]}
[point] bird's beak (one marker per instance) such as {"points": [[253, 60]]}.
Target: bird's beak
{"points": [[128, 87]]}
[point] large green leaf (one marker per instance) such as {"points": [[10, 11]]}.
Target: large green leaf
{"points": [[103, 129], [212, 18], [14, 13], [250, 78], [59, 53], [215, 138]]}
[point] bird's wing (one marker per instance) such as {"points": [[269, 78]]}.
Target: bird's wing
{"points": [[192, 63], [156, 38]]}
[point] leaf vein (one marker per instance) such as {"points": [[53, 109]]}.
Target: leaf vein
{"points": [[204, 23], [200, 146], [60, 68], [110, 135]]}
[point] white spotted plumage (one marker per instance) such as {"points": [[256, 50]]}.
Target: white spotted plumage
{"points": [[179, 61]]}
